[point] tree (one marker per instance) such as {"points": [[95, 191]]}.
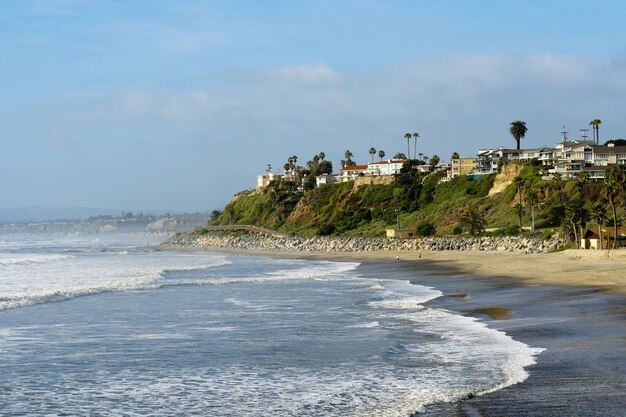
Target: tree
{"points": [[573, 217], [348, 161], [407, 136], [595, 124], [322, 156], [399, 155], [582, 179], [269, 168], [598, 214], [372, 152], [415, 137], [472, 220], [616, 142], [610, 190], [455, 155], [324, 167], [531, 197], [381, 154], [518, 130], [434, 161], [519, 208], [558, 181]]}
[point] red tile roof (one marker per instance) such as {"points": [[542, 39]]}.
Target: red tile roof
{"points": [[354, 168]]}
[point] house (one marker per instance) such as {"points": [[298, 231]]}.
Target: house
{"points": [[349, 173], [264, 180], [462, 166], [591, 240], [389, 167], [594, 159], [325, 179]]}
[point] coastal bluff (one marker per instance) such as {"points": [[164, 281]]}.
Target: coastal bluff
{"points": [[324, 244]]}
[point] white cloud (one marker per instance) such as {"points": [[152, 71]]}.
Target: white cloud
{"points": [[460, 103]]}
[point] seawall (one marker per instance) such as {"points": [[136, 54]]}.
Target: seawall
{"points": [[360, 244]]}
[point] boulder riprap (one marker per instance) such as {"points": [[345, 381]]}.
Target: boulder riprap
{"points": [[363, 244]]}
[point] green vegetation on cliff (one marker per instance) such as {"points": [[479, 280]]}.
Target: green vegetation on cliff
{"points": [[423, 202]]}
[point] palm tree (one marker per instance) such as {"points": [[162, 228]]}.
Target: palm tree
{"points": [[372, 152], [381, 154], [434, 160], [531, 196], [598, 213], [322, 156], [415, 137], [518, 130], [348, 161], [408, 147], [455, 155], [595, 124], [573, 217], [610, 191], [558, 180], [472, 220]]}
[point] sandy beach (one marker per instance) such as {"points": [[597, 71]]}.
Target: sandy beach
{"points": [[604, 269]]}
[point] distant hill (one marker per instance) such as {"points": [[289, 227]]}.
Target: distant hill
{"points": [[37, 213]]}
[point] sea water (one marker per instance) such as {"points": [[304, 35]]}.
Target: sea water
{"points": [[106, 326]]}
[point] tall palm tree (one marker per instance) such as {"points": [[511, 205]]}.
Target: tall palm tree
{"points": [[610, 190], [531, 196], [407, 136], [518, 130], [415, 137], [595, 124], [455, 155], [372, 152], [381, 154], [598, 213]]}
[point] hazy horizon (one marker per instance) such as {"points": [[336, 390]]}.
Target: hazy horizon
{"points": [[178, 106]]}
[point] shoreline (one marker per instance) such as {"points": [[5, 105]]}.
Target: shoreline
{"points": [[542, 300], [604, 270]]}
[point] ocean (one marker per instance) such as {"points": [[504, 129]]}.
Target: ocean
{"points": [[105, 325]]}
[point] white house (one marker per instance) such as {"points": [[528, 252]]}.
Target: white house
{"points": [[389, 167], [264, 180], [349, 173]]}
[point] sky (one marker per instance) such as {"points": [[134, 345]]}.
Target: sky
{"points": [[178, 105]]}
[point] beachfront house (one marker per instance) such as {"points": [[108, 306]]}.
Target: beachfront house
{"points": [[349, 173], [462, 166], [389, 167], [264, 180], [591, 240]]}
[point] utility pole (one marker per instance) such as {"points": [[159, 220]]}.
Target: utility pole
{"points": [[584, 134]]}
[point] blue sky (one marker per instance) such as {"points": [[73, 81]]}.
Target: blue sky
{"points": [[161, 105]]}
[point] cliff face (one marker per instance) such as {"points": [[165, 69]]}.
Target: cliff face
{"points": [[369, 205], [505, 177]]}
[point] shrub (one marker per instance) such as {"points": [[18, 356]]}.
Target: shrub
{"points": [[425, 229], [326, 229]]}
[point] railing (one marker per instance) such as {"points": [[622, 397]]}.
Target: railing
{"points": [[245, 228]]}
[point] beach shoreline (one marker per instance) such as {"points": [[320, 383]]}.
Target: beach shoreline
{"points": [[604, 270], [546, 301]]}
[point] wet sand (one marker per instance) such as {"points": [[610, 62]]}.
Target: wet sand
{"points": [[582, 372]]}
